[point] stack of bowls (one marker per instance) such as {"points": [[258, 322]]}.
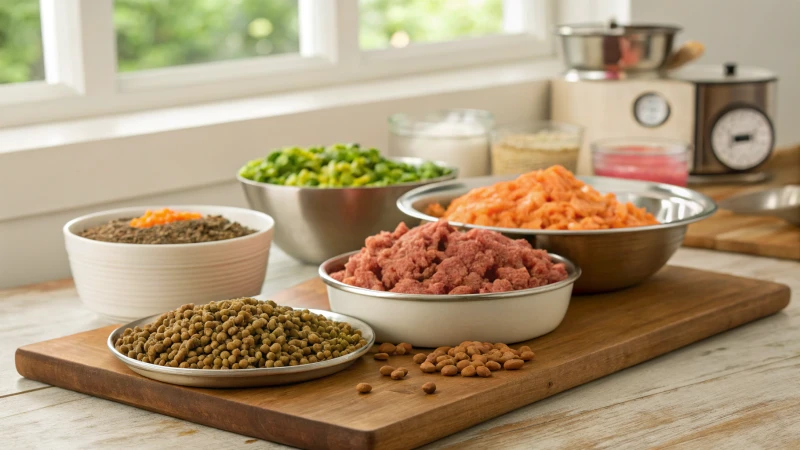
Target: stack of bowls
{"points": [[130, 281]]}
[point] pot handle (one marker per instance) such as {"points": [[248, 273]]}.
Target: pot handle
{"points": [[688, 52]]}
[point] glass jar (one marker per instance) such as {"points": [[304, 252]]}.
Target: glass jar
{"points": [[532, 146], [457, 137], [649, 159]]}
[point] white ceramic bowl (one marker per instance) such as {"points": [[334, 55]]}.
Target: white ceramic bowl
{"points": [[439, 320], [130, 281]]}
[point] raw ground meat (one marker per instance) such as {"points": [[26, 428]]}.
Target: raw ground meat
{"points": [[435, 258]]}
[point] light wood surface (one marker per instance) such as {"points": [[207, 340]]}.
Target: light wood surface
{"points": [[600, 335], [755, 235], [734, 390]]}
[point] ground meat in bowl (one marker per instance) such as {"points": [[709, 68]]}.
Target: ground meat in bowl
{"points": [[435, 258]]}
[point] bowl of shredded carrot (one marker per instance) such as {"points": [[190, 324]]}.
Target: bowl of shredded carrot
{"points": [[620, 232]]}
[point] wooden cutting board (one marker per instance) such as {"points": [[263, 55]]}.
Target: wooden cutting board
{"points": [[754, 235], [600, 335]]}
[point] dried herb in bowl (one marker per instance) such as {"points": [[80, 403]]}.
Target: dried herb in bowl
{"points": [[179, 231]]}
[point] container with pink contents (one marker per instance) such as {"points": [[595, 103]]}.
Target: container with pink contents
{"points": [[433, 285]]}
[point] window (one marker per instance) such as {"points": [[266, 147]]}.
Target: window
{"points": [[21, 55], [63, 59], [157, 33], [398, 23]]}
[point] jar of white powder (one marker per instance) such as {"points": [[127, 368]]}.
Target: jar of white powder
{"points": [[458, 137]]}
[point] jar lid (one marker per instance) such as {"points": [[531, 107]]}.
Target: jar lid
{"points": [[728, 73]]}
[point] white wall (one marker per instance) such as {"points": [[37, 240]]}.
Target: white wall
{"points": [[763, 33]]}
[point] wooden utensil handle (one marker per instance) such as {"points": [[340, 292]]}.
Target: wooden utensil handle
{"points": [[688, 52]]}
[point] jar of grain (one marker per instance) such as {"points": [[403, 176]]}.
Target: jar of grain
{"points": [[532, 146]]}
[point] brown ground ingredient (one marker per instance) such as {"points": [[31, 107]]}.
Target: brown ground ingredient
{"points": [[207, 229]]}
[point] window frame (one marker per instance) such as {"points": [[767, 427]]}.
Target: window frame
{"points": [[81, 63]]}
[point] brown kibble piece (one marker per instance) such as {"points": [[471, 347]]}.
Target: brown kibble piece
{"points": [[477, 363], [480, 358], [460, 356], [381, 356], [468, 371], [427, 367], [513, 364], [526, 355], [449, 371], [525, 348], [386, 370], [443, 358], [398, 374], [493, 366], [419, 358], [461, 364], [363, 388], [405, 371], [507, 356], [387, 348], [483, 371], [408, 347], [429, 388], [446, 362], [400, 350]]}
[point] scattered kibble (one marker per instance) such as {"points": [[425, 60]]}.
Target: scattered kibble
{"points": [[398, 374], [386, 348], [472, 358], [386, 370], [363, 388], [429, 388], [381, 356]]}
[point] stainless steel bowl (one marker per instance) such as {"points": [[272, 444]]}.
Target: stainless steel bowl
{"points": [[314, 224], [512, 316], [783, 202], [246, 377], [616, 48], [610, 259]]}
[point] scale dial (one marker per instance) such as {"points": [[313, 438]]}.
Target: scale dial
{"points": [[742, 138], [651, 110]]}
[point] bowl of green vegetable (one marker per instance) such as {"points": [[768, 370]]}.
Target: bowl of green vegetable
{"points": [[327, 200]]}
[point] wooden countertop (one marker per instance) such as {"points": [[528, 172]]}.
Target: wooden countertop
{"points": [[738, 389]]}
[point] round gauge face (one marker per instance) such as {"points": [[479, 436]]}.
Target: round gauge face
{"points": [[742, 138], [651, 109]]}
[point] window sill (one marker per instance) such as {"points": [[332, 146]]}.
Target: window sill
{"points": [[142, 153]]}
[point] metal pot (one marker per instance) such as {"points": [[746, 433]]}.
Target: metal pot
{"points": [[603, 49]]}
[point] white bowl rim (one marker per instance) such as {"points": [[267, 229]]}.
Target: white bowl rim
{"points": [[258, 233], [573, 273], [406, 159]]}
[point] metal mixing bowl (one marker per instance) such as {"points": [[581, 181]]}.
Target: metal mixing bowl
{"points": [[616, 48], [783, 202], [610, 259], [314, 224]]}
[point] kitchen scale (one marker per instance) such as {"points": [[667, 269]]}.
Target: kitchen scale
{"points": [[625, 81]]}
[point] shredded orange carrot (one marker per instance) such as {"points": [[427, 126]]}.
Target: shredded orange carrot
{"points": [[166, 215], [549, 199]]}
